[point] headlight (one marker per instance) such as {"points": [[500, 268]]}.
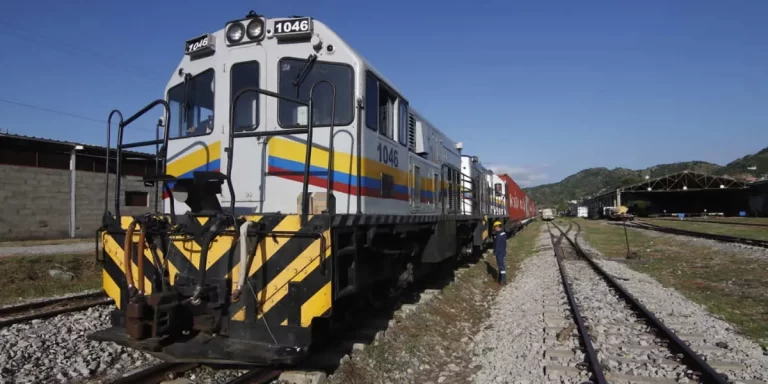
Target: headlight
{"points": [[255, 29], [235, 33]]}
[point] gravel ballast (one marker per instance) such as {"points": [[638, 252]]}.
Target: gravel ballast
{"points": [[737, 356], [56, 350], [515, 338]]}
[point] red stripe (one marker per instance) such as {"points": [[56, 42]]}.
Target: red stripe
{"points": [[323, 183], [337, 186]]}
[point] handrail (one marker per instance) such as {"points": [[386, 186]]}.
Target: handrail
{"points": [[329, 190], [106, 158], [359, 147], [121, 146], [284, 132]]}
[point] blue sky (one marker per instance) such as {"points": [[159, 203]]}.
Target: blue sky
{"points": [[541, 89]]}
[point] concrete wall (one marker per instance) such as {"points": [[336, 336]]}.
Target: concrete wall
{"points": [[35, 202]]}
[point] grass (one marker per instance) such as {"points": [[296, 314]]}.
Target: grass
{"points": [[759, 233], [26, 277], [732, 286], [29, 243], [730, 219], [436, 335]]}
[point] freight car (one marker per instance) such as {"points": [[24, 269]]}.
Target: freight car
{"points": [[297, 183], [520, 208]]}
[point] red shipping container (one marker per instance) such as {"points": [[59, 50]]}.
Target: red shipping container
{"points": [[516, 200]]}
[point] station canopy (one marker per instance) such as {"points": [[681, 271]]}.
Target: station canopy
{"points": [[685, 181]]}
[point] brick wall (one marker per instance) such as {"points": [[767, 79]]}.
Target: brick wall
{"points": [[34, 202]]}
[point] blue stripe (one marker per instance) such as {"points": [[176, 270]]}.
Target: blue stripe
{"points": [[215, 164], [341, 177]]}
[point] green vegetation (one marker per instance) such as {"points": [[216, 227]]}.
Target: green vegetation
{"points": [[595, 181], [27, 277], [749, 232], [739, 167], [731, 286], [29, 243]]}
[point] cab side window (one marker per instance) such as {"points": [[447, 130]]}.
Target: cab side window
{"points": [[245, 75]]}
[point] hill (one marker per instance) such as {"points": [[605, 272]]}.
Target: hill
{"points": [[598, 180], [740, 168]]}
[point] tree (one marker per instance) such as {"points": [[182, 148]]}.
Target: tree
{"points": [[562, 207]]}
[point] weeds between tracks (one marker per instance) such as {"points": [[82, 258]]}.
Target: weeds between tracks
{"points": [[730, 285]]}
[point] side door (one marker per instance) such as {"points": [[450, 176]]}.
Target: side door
{"points": [[246, 67]]}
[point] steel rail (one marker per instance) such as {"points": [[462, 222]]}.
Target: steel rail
{"points": [[693, 360], [703, 235], [594, 362], [8, 321], [713, 221], [23, 307], [256, 376], [155, 374]]}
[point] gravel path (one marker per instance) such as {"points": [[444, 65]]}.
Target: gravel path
{"points": [[55, 350], [713, 339], [527, 339], [48, 249]]}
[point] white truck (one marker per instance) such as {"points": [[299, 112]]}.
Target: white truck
{"points": [[547, 214], [581, 212]]}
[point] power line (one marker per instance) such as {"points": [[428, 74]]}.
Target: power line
{"points": [[83, 53], [86, 118], [57, 112]]}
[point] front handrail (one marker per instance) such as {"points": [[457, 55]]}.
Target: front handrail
{"points": [[283, 132], [329, 190], [121, 146], [106, 158]]}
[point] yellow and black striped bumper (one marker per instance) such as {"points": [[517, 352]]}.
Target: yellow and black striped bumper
{"points": [[288, 284]]}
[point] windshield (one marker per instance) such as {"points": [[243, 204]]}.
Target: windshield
{"points": [[197, 118], [339, 75]]}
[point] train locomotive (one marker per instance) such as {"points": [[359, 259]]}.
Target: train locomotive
{"points": [[293, 179]]}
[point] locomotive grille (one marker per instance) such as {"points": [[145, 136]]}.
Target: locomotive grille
{"points": [[411, 132]]}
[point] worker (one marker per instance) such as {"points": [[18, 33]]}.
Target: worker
{"points": [[500, 250]]}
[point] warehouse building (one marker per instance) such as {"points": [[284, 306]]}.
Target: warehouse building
{"points": [[55, 189], [688, 193]]}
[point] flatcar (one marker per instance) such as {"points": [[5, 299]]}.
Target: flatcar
{"points": [[296, 182]]}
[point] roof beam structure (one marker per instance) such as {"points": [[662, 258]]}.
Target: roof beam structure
{"points": [[685, 181]]}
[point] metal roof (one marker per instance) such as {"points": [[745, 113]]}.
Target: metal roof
{"points": [[94, 148], [685, 181]]}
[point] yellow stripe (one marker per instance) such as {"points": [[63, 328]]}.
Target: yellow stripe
{"points": [[194, 159], [115, 252], [111, 288], [316, 305], [296, 151], [240, 315], [269, 245], [342, 162], [192, 251], [296, 271]]}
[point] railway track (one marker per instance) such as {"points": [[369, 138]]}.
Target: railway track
{"points": [[619, 339], [42, 309], [163, 372], [714, 221], [701, 235]]}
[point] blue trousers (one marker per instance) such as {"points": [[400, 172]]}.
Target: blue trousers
{"points": [[502, 268]]}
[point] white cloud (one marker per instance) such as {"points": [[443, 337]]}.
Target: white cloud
{"points": [[523, 176]]}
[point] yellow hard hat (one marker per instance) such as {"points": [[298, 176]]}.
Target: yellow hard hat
{"points": [[497, 223]]}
